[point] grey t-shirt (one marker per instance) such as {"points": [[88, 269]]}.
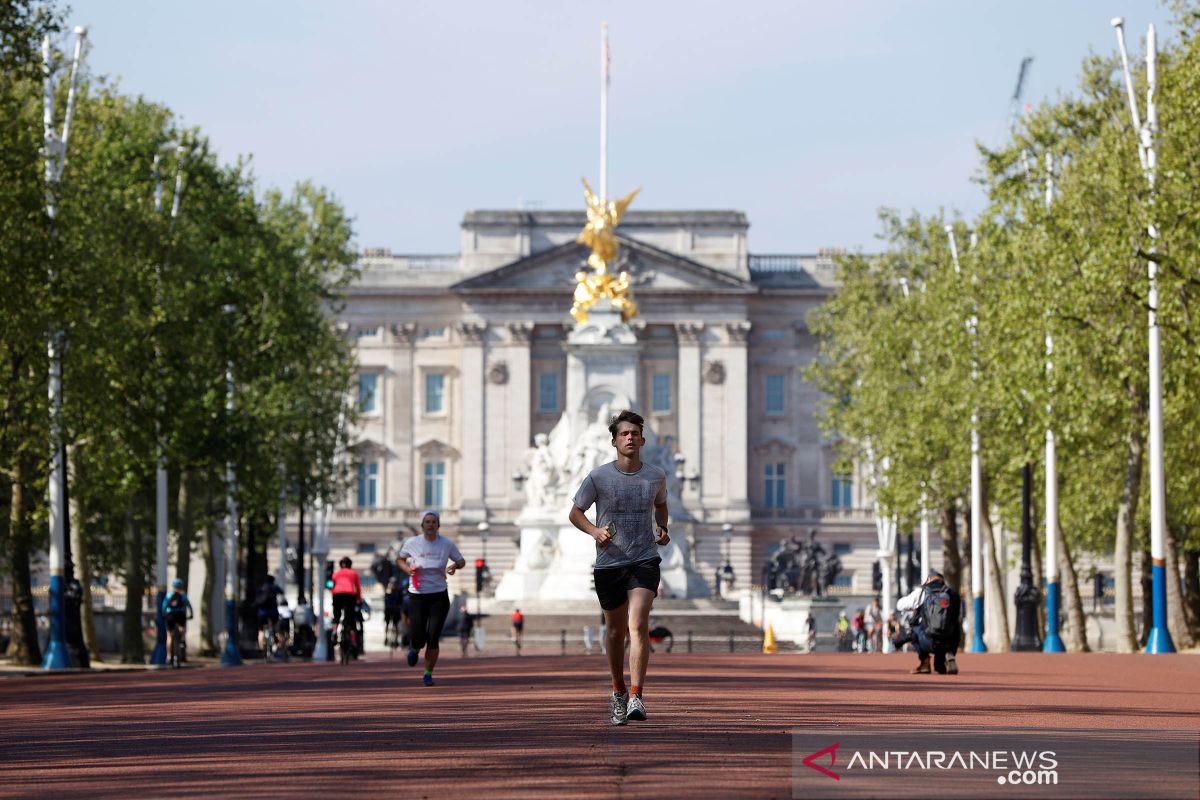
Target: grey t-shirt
{"points": [[627, 501]]}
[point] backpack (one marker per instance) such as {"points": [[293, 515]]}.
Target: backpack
{"points": [[176, 603], [938, 612]]}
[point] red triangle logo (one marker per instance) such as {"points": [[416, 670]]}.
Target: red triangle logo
{"points": [[832, 752]]}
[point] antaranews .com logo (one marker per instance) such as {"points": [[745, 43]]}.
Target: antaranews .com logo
{"points": [[971, 762], [1015, 767]]}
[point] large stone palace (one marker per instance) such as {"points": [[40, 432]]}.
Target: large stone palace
{"points": [[463, 365]]}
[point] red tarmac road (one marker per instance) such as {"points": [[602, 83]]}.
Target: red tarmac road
{"points": [[719, 725]]}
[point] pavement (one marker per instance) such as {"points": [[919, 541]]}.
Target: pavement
{"points": [[720, 725]]}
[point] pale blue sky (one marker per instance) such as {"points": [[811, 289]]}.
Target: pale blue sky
{"points": [[808, 116]]}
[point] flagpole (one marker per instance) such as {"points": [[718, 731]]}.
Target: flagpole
{"points": [[604, 111]]}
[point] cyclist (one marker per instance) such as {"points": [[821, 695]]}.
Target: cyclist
{"points": [[347, 594], [267, 602], [178, 610], [284, 631]]}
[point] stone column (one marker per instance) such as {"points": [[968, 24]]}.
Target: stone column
{"points": [[737, 419], [400, 480], [508, 424], [690, 389], [474, 444]]}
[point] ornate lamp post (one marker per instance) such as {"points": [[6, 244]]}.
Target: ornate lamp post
{"points": [[1028, 597], [727, 574]]}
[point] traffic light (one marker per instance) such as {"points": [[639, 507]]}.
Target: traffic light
{"points": [[876, 577], [480, 574], [328, 574]]}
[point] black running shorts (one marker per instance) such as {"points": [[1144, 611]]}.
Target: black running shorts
{"points": [[613, 583]]}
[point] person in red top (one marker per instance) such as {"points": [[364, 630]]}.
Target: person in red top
{"points": [[518, 629], [347, 593]]}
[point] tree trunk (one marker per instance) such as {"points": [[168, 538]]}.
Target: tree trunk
{"points": [[23, 645], [1076, 619], [1147, 583], [1123, 551], [83, 566], [133, 647], [187, 529], [208, 642], [997, 629], [951, 559], [1177, 617], [1191, 580]]}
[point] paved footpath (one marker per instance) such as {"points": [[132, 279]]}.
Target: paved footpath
{"points": [[719, 725]]}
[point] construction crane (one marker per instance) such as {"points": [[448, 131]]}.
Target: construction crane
{"points": [[1014, 105]]}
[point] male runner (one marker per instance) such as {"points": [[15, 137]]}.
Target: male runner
{"points": [[429, 601], [631, 522]]}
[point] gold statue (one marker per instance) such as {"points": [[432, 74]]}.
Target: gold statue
{"points": [[602, 220]]}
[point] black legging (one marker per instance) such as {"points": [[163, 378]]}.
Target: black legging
{"points": [[427, 613], [344, 602]]}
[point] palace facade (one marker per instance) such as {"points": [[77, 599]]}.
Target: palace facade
{"points": [[462, 364]]}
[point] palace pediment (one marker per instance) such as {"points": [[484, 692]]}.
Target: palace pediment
{"points": [[653, 270]]}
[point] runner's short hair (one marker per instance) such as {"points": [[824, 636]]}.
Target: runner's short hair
{"points": [[625, 416]]}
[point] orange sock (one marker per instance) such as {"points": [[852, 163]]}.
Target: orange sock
{"points": [[637, 690], [618, 686]]}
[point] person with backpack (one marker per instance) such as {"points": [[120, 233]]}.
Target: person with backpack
{"points": [[936, 624], [178, 610], [267, 603]]}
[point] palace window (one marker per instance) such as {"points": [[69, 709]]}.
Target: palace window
{"points": [[774, 400], [435, 484], [368, 479], [435, 393], [660, 395], [367, 384], [774, 486], [843, 489], [547, 391]]}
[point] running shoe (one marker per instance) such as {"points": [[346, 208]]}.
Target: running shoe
{"points": [[427, 679], [951, 664], [412, 657], [617, 708], [636, 709]]}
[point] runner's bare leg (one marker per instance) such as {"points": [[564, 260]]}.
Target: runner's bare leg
{"points": [[640, 601], [617, 622]]}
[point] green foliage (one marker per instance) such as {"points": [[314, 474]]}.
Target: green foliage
{"points": [[905, 376], [156, 309]]}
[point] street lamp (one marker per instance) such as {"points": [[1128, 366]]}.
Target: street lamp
{"points": [[727, 573], [55, 151], [483, 527], [1159, 639]]}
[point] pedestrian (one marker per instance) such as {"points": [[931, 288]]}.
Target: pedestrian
{"points": [[466, 623], [936, 624], [588, 643], [858, 629], [429, 602], [810, 625], [842, 632], [631, 524], [874, 620], [517, 633]]}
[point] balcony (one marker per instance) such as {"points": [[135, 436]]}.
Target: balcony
{"points": [[812, 514]]}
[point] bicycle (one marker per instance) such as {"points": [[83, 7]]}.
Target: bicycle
{"points": [[178, 645], [347, 639], [270, 644]]}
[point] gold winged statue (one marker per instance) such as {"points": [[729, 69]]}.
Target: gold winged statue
{"points": [[599, 234]]}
